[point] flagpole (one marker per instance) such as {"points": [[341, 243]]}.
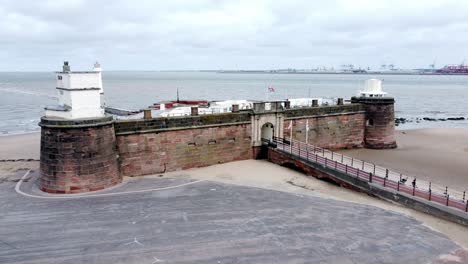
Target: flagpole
{"points": [[270, 90], [290, 135], [307, 131]]}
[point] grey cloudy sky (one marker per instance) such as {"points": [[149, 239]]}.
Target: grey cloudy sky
{"points": [[225, 34]]}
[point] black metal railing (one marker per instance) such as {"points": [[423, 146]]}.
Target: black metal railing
{"points": [[373, 173]]}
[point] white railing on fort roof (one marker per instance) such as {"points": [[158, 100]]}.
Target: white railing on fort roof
{"points": [[374, 173]]}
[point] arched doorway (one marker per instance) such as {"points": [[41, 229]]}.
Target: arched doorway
{"points": [[267, 131]]}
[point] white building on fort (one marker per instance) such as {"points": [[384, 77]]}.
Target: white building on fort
{"points": [[79, 94], [372, 88]]}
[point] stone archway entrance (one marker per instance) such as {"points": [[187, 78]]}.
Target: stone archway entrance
{"points": [[267, 122], [267, 131]]}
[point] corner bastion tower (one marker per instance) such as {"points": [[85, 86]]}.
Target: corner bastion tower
{"points": [[78, 145], [379, 132]]}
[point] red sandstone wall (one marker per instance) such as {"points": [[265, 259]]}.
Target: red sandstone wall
{"points": [[331, 132], [381, 134], [151, 153], [75, 160]]}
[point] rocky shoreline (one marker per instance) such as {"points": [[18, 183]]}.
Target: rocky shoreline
{"points": [[402, 120]]}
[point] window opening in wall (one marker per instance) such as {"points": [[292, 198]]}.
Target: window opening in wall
{"points": [[370, 122]]}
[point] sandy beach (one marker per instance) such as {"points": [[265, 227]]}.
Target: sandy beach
{"points": [[24, 146], [439, 155], [18, 147]]}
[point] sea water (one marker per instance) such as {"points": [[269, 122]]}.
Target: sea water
{"points": [[23, 95]]}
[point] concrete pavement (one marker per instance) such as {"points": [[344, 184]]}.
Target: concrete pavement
{"points": [[205, 222]]}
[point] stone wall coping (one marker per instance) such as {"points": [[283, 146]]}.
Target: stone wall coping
{"points": [[367, 100], [78, 89], [317, 116], [184, 122], [178, 117], [323, 110], [156, 130], [75, 123]]}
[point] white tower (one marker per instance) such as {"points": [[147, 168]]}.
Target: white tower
{"points": [[78, 94], [97, 68], [372, 88]]}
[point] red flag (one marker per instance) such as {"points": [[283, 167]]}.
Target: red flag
{"points": [[271, 89]]}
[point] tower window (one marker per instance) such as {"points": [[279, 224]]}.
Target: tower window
{"points": [[370, 122], [59, 77]]}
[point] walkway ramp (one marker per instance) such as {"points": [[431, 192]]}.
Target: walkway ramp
{"points": [[360, 174]]}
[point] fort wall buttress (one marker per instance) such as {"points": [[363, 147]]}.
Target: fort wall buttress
{"points": [[380, 134], [171, 150], [379, 122], [78, 156]]}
